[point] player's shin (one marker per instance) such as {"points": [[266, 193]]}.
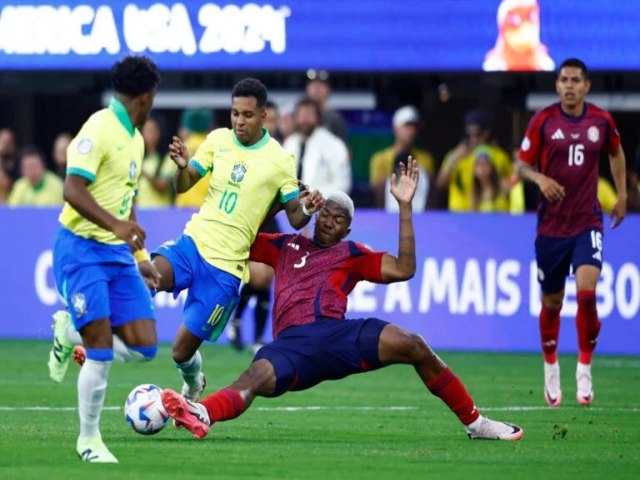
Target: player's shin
{"points": [[225, 404], [451, 391], [194, 381], [92, 385], [549, 332], [587, 324]]}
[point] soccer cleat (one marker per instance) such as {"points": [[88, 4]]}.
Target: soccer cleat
{"points": [[194, 395], [552, 390], [585, 384], [485, 429], [60, 354], [79, 355], [93, 450], [192, 416]]}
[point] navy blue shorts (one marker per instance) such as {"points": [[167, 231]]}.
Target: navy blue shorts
{"points": [[556, 255], [328, 349]]}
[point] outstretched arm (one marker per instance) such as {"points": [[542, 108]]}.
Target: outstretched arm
{"points": [[403, 267], [299, 210], [186, 176]]}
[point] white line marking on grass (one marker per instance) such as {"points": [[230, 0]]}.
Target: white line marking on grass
{"points": [[315, 408]]}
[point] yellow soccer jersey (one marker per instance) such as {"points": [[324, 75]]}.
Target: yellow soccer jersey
{"points": [[108, 152], [245, 182]]}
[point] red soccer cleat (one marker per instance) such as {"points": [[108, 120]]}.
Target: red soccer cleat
{"points": [[79, 355], [187, 414]]}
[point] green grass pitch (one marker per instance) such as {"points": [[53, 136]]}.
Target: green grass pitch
{"points": [[383, 424]]}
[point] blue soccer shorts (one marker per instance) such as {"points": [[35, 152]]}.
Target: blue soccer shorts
{"points": [[99, 281], [327, 349], [213, 293], [557, 255]]}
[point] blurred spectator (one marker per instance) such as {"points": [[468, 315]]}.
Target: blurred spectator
{"points": [[385, 162], [8, 160], [155, 188], [456, 172], [633, 183], [271, 121], [319, 89], [37, 186], [607, 195], [518, 46], [59, 153], [195, 125], [489, 193], [5, 186], [323, 159], [286, 122]]}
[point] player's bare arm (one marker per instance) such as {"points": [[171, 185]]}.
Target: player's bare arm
{"points": [[618, 171], [76, 193], [300, 210], [403, 267], [186, 176], [552, 190]]}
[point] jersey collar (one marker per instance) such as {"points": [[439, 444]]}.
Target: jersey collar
{"points": [[255, 146], [118, 108]]}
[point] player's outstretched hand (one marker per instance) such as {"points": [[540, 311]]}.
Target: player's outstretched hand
{"points": [[313, 201], [130, 232], [179, 153], [552, 190], [150, 275], [404, 187], [618, 212]]}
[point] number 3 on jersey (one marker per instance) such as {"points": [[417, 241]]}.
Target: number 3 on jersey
{"points": [[576, 154], [228, 201]]}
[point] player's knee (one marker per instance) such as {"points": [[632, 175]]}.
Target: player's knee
{"points": [[146, 353]]}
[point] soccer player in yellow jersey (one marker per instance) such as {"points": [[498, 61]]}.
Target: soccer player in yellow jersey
{"points": [[250, 172], [94, 268]]}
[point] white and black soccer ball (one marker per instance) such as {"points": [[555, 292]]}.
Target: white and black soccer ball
{"points": [[143, 409]]}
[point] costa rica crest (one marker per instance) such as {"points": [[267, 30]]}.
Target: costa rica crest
{"points": [[237, 174]]}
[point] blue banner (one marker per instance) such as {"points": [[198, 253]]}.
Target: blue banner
{"points": [[372, 35], [475, 287]]}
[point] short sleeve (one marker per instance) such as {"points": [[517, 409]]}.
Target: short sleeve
{"points": [[365, 264], [85, 153], [378, 170], [202, 160], [289, 184], [531, 146], [266, 248], [613, 138]]}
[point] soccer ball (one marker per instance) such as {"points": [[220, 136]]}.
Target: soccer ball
{"points": [[143, 409]]}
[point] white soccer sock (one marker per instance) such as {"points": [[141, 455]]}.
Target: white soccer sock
{"points": [[190, 371], [122, 352], [73, 335], [92, 386]]}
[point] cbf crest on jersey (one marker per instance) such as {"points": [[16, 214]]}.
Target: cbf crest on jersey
{"points": [[79, 304], [133, 169], [237, 174]]}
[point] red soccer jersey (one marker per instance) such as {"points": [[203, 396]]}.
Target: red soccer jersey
{"points": [[567, 149], [313, 282]]}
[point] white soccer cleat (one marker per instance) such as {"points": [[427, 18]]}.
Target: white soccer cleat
{"points": [[60, 354], [485, 429], [585, 384], [552, 390], [194, 395], [93, 450]]}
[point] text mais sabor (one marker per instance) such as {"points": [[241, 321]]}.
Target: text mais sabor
{"points": [[160, 28]]}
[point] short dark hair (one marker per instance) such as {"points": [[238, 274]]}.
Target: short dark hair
{"points": [[310, 102], [29, 150], [251, 87], [574, 62], [135, 75], [270, 104]]}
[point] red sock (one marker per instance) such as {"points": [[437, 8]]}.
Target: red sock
{"points": [[549, 332], [587, 324], [452, 392], [223, 405]]}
